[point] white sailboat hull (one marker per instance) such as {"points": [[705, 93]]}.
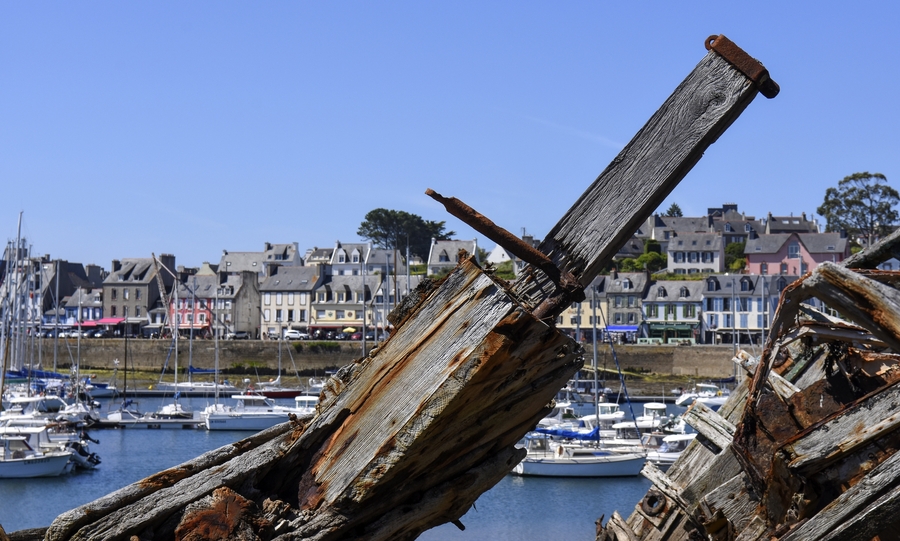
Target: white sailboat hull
{"points": [[600, 465]]}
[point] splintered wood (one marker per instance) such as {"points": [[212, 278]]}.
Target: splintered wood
{"points": [[408, 437], [807, 447]]}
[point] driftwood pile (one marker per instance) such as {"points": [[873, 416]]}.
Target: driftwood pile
{"points": [[807, 447], [408, 438]]}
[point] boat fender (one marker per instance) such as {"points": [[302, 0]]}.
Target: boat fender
{"points": [[560, 451]]}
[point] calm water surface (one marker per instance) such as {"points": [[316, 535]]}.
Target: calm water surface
{"points": [[514, 509]]}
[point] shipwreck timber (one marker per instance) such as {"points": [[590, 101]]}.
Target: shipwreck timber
{"points": [[409, 437], [807, 447]]}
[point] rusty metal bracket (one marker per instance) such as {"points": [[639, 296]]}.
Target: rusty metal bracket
{"points": [[569, 285], [743, 62]]}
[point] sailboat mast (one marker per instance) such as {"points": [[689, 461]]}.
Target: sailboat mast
{"points": [[594, 362], [215, 312]]}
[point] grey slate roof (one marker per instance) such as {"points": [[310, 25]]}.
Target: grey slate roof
{"points": [[815, 243], [137, 270], [691, 242], [673, 290], [292, 279]]}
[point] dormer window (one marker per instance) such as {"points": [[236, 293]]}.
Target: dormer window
{"points": [[684, 293], [712, 285], [728, 228], [745, 284], [626, 284], [661, 292], [747, 228]]}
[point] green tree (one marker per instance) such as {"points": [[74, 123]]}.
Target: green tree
{"points": [[862, 204], [395, 229], [674, 211], [734, 256]]}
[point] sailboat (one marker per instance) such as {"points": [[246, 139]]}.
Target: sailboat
{"points": [[274, 388], [564, 452]]}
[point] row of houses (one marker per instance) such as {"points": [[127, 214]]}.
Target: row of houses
{"points": [[355, 285]]}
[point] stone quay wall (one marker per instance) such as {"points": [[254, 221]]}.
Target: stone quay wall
{"points": [[245, 356]]}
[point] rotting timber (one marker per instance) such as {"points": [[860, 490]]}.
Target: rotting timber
{"points": [[807, 447], [408, 437]]}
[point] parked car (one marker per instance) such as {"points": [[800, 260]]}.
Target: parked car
{"points": [[239, 335], [356, 336], [100, 333], [293, 334]]}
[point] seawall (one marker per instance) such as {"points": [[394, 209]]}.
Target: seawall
{"points": [[701, 361]]}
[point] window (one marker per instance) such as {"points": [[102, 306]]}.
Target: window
{"points": [[726, 320], [712, 320], [764, 268], [661, 292], [618, 301], [784, 268], [804, 268], [266, 314], [626, 284], [684, 292], [618, 318], [137, 311], [743, 321], [356, 258], [112, 310], [728, 228], [267, 299], [278, 298], [747, 228], [652, 310], [190, 318], [679, 257], [782, 283], [301, 315], [340, 314], [667, 235], [290, 315], [689, 311], [726, 304], [670, 310], [632, 300], [710, 306], [320, 314], [114, 294], [320, 296], [743, 304], [201, 318], [631, 318], [203, 304], [342, 258], [279, 315], [707, 257], [137, 294], [125, 311], [125, 293], [745, 285], [794, 250], [290, 298], [341, 296], [694, 257], [712, 285], [443, 257], [761, 321]]}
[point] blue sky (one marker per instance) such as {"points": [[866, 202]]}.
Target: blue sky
{"points": [[135, 127]]}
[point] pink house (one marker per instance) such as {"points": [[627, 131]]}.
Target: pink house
{"points": [[793, 253]]}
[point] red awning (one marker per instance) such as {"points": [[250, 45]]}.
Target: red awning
{"points": [[110, 321], [88, 324]]}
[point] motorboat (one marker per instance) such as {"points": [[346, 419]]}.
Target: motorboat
{"points": [[550, 458], [21, 455], [250, 412], [710, 394], [664, 453], [305, 404]]}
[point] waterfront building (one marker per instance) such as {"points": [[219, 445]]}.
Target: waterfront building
{"points": [[694, 253], [287, 299], [672, 312], [624, 291], [131, 290], [444, 254], [794, 253], [264, 263]]}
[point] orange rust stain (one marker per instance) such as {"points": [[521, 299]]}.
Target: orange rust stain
{"points": [[164, 479], [218, 521]]}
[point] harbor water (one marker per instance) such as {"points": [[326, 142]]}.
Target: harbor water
{"points": [[515, 508]]}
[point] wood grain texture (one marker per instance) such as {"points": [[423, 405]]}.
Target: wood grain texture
{"points": [[638, 180]]}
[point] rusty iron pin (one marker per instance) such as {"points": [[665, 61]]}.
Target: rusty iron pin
{"points": [[743, 62]]}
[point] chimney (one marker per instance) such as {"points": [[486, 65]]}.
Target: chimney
{"points": [[116, 265], [843, 233]]}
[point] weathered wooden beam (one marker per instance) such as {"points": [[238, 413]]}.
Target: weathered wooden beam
{"points": [[702, 107], [848, 430], [709, 424], [849, 515]]}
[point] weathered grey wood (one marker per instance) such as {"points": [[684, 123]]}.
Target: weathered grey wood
{"points": [[876, 254], [755, 531], [620, 528], [853, 428], [645, 172], [733, 500], [782, 387], [845, 509], [710, 424]]}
